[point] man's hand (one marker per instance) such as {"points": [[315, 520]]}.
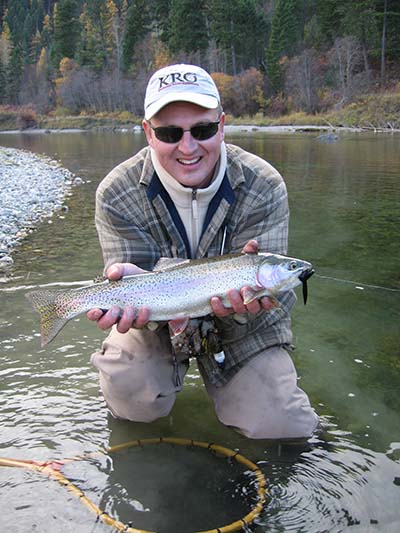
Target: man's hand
{"points": [[131, 317], [236, 297]]}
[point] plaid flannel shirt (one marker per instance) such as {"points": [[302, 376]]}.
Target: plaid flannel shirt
{"points": [[138, 223]]}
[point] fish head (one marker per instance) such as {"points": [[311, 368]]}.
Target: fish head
{"points": [[278, 273]]}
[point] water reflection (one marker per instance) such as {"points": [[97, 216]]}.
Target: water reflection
{"points": [[344, 203], [332, 487]]}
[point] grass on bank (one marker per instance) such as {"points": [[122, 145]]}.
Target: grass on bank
{"points": [[380, 111]]}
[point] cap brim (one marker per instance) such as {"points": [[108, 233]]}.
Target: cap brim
{"points": [[202, 100]]}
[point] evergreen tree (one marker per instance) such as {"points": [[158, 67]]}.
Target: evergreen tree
{"points": [[37, 12], [14, 72], [15, 17], [92, 47], [161, 19], [66, 30], [136, 27], [101, 33], [359, 20], [283, 41], [330, 21], [393, 33], [239, 29], [188, 27], [27, 35]]}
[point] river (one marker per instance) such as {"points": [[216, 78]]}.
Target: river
{"points": [[345, 219]]}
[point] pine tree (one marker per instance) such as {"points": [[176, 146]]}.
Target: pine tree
{"points": [[161, 19], [28, 35], [98, 21], [91, 50], [283, 41], [136, 27], [15, 18], [14, 71], [239, 29], [66, 30], [188, 27]]}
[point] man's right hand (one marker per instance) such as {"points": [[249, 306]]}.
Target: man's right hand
{"points": [[131, 317]]}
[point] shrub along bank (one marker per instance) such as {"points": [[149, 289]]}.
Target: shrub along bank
{"points": [[378, 111]]}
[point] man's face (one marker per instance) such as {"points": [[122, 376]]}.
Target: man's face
{"points": [[189, 161]]}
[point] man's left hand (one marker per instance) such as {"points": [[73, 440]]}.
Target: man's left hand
{"points": [[236, 297]]}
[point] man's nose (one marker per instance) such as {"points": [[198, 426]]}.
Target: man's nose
{"points": [[188, 143]]}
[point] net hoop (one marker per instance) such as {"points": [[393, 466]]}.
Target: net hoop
{"points": [[51, 469]]}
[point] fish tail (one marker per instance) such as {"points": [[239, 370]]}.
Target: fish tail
{"points": [[51, 319]]}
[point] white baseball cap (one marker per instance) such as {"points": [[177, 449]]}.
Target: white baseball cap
{"points": [[180, 83]]}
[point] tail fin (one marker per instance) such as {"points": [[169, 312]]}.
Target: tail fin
{"points": [[51, 322]]}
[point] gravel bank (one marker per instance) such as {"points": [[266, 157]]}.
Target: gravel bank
{"points": [[32, 186]]}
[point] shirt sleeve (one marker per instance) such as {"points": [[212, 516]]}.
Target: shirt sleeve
{"points": [[123, 230], [264, 211]]}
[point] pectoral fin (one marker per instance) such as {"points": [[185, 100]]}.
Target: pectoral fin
{"points": [[177, 326], [250, 294]]}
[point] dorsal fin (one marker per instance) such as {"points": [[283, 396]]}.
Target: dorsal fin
{"points": [[168, 263]]}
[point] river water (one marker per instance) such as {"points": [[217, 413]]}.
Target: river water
{"points": [[345, 205]]}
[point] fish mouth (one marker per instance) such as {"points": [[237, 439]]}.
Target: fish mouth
{"points": [[304, 276]]}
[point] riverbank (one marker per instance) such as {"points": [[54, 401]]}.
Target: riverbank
{"points": [[32, 188], [374, 112]]}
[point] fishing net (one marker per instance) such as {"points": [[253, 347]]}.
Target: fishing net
{"points": [[163, 485]]}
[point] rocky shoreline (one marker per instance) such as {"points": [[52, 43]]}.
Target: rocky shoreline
{"points": [[32, 187]]}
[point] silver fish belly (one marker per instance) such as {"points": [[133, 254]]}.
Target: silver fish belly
{"points": [[175, 292]]}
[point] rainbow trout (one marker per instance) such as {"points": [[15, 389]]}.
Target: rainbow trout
{"points": [[175, 292]]}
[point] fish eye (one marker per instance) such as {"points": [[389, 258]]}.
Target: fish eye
{"points": [[292, 265]]}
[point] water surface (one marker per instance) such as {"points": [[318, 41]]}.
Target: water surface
{"points": [[344, 200]]}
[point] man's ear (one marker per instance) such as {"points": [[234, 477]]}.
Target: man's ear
{"points": [[147, 130], [221, 126]]}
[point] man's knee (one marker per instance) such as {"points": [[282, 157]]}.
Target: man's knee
{"points": [[262, 401], [280, 425], [137, 408], [136, 375]]}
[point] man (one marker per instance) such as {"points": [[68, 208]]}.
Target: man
{"points": [[188, 195]]}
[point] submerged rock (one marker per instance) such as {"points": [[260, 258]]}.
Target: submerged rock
{"points": [[328, 138]]}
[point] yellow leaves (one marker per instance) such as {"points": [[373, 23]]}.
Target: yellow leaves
{"points": [[67, 66], [162, 57], [5, 44], [225, 83]]}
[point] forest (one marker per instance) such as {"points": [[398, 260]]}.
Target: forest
{"points": [[267, 57]]}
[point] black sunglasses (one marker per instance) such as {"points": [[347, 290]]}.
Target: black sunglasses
{"points": [[173, 134]]}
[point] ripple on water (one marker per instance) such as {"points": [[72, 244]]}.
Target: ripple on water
{"points": [[328, 488]]}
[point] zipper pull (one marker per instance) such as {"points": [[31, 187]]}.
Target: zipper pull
{"points": [[195, 211]]}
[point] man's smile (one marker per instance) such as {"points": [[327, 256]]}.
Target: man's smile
{"points": [[189, 161]]}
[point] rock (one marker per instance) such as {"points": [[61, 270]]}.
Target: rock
{"points": [[31, 188], [5, 261], [328, 138]]}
